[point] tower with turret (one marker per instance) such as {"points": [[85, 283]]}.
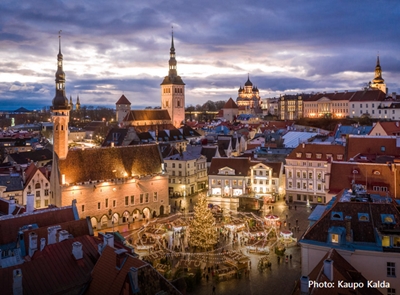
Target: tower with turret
{"points": [[173, 91], [60, 110]]}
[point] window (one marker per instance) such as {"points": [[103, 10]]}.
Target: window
{"points": [[383, 148], [155, 197], [180, 166], [37, 194], [391, 291], [298, 155], [37, 204], [319, 175], [290, 184], [46, 192], [308, 155], [255, 181], [240, 182], [106, 203], [328, 156], [83, 208], [396, 241], [298, 185], [310, 175], [114, 203], [339, 157], [335, 238], [391, 269], [290, 174], [304, 185], [141, 199], [226, 182], [126, 201], [298, 197], [98, 205], [319, 186], [298, 174], [272, 182], [385, 241], [46, 203], [173, 165], [304, 175], [132, 200], [212, 181], [147, 197]]}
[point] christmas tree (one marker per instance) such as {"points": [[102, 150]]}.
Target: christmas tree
{"points": [[202, 231]]}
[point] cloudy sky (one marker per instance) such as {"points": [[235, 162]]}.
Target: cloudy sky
{"points": [[120, 47]]}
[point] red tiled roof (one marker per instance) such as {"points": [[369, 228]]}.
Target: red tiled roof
{"points": [[342, 271], [342, 175], [54, 270], [390, 127], [371, 145], [240, 165], [230, 104], [123, 100], [110, 163], [108, 279], [147, 115], [363, 232], [304, 150], [9, 227]]}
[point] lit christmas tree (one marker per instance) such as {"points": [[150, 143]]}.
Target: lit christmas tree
{"points": [[202, 231]]}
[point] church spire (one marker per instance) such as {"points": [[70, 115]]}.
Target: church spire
{"points": [[172, 61], [60, 101], [378, 72]]}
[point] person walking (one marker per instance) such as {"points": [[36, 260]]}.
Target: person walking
{"points": [[213, 290]]}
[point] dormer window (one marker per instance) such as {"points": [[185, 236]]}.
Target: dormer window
{"points": [[336, 215], [298, 155], [388, 218], [318, 156], [377, 172], [328, 156], [308, 155], [363, 217], [339, 157], [335, 238]]}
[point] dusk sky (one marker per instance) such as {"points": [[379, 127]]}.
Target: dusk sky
{"points": [[112, 48]]}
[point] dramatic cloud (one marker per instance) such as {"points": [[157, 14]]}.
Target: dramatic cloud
{"points": [[112, 48]]}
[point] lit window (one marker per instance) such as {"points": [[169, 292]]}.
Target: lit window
{"points": [[335, 238], [132, 200], [155, 197], [385, 241], [126, 200]]}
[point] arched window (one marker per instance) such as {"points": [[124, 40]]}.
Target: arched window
{"points": [[62, 127], [37, 185], [56, 127]]}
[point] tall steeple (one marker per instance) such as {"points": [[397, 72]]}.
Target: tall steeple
{"points": [[60, 110], [378, 82], [173, 90], [378, 72], [172, 61], [60, 101], [78, 104]]}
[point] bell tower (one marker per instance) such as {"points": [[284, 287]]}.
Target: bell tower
{"points": [[60, 109], [173, 91], [378, 82]]}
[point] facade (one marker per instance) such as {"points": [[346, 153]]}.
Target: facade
{"points": [[290, 107], [364, 229], [187, 173], [173, 91], [385, 129], [36, 182], [307, 171], [248, 100], [236, 177]]}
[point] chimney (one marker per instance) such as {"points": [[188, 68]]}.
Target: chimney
{"points": [[30, 199], [133, 273], [121, 255], [33, 246], [42, 243], [63, 235], [11, 205], [17, 282], [77, 250], [304, 289], [109, 240], [52, 234], [349, 234], [328, 269]]}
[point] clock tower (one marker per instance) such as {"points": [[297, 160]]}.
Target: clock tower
{"points": [[173, 91], [60, 110]]}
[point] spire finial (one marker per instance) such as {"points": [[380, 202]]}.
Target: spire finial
{"points": [[59, 41], [172, 39]]}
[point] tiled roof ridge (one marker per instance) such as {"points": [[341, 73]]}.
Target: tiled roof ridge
{"points": [[6, 217]]}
